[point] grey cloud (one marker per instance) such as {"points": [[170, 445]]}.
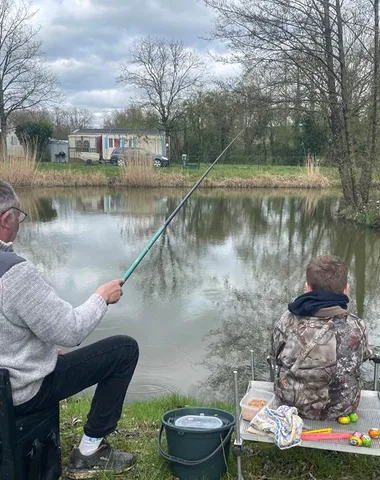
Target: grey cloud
{"points": [[111, 25], [87, 74], [102, 100], [162, 17], [86, 45]]}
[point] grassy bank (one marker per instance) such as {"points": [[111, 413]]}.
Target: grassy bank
{"points": [[221, 176], [137, 432], [369, 215], [25, 172]]}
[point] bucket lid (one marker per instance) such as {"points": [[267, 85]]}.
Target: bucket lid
{"points": [[198, 421]]}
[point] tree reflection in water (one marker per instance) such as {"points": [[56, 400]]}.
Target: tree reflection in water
{"points": [[40, 208], [284, 235], [243, 253]]}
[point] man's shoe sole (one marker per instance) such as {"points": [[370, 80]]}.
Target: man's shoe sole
{"points": [[83, 474]]}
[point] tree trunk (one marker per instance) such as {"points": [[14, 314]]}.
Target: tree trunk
{"points": [[348, 155], [3, 126], [3, 136], [367, 168], [335, 117], [265, 151], [297, 105], [271, 142], [167, 143]]}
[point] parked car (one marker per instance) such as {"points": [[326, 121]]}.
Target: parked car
{"points": [[120, 156], [90, 158]]}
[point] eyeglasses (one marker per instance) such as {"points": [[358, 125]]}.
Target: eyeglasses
{"points": [[21, 216]]}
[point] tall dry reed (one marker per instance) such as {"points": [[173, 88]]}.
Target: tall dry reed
{"points": [[312, 165], [24, 172], [70, 178], [19, 171], [138, 170], [272, 181]]}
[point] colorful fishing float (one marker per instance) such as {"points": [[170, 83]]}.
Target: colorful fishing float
{"points": [[374, 432], [356, 439], [352, 417]]}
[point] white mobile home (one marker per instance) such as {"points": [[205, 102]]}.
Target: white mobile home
{"points": [[103, 141]]}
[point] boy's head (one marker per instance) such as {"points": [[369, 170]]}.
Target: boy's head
{"points": [[327, 272]]}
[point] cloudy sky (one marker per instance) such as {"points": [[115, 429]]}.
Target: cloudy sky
{"points": [[85, 42]]}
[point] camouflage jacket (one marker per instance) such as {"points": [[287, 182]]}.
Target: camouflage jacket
{"points": [[317, 362]]}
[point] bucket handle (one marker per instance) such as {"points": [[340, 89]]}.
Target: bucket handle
{"points": [[182, 461]]}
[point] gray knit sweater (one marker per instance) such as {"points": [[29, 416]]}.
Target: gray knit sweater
{"points": [[33, 320]]}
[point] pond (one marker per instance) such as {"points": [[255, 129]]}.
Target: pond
{"points": [[212, 286]]}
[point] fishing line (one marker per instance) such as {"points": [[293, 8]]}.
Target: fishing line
{"points": [[159, 232]]}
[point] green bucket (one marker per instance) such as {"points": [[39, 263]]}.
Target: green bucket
{"points": [[199, 451]]}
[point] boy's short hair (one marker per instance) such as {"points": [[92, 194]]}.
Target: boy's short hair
{"points": [[327, 272]]}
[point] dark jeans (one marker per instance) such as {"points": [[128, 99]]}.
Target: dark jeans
{"points": [[110, 363]]}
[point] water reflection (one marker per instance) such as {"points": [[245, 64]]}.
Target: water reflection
{"points": [[212, 286]]}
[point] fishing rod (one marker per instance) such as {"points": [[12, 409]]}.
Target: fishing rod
{"points": [[157, 235]]}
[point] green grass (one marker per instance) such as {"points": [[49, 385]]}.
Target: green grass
{"points": [[137, 432], [369, 215], [246, 171], [219, 171]]}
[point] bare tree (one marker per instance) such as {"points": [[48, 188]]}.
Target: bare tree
{"points": [[59, 119], [165, 72], [131, 117], [21, 116], [368, 166], [78, 118], [68, 119], [65, 119], [25, 81], [325, 46]]}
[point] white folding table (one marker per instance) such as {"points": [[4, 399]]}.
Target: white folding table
{"points": [[368, 412]]}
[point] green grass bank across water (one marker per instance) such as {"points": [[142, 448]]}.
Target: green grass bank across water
{"points": [[222, 175], [26, 173], [138, 428], [369, 215]]}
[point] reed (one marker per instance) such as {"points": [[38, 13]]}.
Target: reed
{"points": [[312, 165], [19, 171], [70, 178], [138, 170], [272, 181]]}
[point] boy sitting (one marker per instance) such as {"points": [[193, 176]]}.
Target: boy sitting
{"points": [[318, 346]]}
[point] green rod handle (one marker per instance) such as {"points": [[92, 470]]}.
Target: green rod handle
{"points": [[134, 265]]}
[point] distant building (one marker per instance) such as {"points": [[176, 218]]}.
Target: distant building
{"points": [[57, 151], [103, 141], [14, 147]]}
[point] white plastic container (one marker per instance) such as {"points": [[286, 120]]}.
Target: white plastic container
{"points": [[201, 421], [255, 400]]}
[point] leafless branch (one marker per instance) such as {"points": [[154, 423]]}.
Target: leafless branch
{"points": [[25, 81], [165, 73]]}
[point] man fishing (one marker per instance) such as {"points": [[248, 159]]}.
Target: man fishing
{"points": [[34, 320]]}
